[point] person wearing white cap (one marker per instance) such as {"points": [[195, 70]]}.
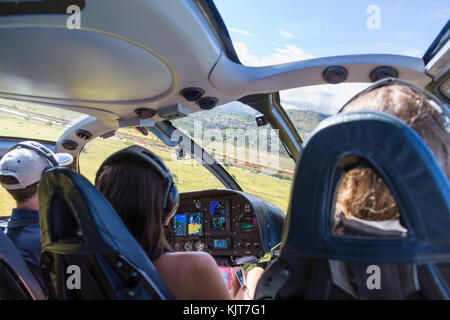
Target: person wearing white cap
{"points": [[20, 172]]}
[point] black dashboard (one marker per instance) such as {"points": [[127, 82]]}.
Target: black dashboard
{"points": [[234, 227]]}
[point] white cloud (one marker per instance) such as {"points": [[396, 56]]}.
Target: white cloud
{"points": [[286, 34], [282, 54], [326, 98], [412, 52], [243, 54], [240, 31], [439, 11]]}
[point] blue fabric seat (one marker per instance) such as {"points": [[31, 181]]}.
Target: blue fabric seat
{"points": [[80, 228], [17, 281], [316, 264]]}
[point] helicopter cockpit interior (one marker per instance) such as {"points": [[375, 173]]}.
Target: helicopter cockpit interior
{"points": [[153, 67]]}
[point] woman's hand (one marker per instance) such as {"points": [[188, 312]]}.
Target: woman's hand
{"points": [[251, 279]]}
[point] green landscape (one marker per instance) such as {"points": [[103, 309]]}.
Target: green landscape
{"points": [[272, 185]]}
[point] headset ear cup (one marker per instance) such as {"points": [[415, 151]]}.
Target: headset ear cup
{"points": [[173, 201]]}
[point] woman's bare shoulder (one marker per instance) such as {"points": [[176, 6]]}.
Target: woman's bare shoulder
{"points": [[186, 260], [192, 275]]}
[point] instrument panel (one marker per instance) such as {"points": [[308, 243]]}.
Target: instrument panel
{"points": [[221, 222]]}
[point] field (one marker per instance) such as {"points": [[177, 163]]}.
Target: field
{"points": [[189, 176]]}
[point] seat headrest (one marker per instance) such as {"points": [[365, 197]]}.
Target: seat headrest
{"points": [[407, 166], [75, 218]]}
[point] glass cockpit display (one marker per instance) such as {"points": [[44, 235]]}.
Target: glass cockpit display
{"points": [[188, 224], [179, 225], [195, 226], [217, 208], [217, 211], [220, 243], [218, 223]]}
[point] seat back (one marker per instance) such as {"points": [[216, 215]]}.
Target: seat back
{"points": [[17, 282], [314, 263], [88, 250]]}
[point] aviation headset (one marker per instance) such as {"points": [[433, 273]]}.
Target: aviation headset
{"points": [[171, 198]]}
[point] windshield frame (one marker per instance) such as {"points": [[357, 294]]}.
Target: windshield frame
{"points": [[217, 25], [189, 147]]}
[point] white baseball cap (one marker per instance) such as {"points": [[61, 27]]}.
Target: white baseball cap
{"points": [[26, 162]]}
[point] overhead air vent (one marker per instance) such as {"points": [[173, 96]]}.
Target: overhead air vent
{"points": [[192, 94], [207, 103], [69, 145], [83, 134], [382, 73], [335, 74], [144, 113]]}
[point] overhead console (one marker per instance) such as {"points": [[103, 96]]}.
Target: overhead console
{"points": [[234, 227]]}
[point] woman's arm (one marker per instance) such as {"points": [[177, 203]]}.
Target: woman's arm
{"points": [[192, 276], [208, 283], [251, 280]]}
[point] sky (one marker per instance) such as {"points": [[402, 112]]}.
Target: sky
{"points": [[268, 32]]}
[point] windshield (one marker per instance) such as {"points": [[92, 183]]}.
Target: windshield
{"points": [[266, 32], [188, 176], [254, 156], [34, 121], [308, 106]]}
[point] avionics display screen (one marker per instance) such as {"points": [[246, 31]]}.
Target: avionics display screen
{"points": [[217, 208], [179, 224], [218, 223], [195, 226], [220, 243]]}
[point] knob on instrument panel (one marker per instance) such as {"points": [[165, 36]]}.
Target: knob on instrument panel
{"points": [[199, 246], [188, 246]]}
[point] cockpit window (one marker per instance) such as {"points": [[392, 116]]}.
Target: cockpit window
{"points": [[188, 176], [254, 156], [266, 32], [30, 121], [34, 121], [308, 106]]}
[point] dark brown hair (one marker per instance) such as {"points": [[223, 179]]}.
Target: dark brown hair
{"points": [[136, 190], [20, 195]]}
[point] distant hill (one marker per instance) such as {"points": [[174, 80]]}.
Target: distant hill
{"points": [[305, 120], [239, 108]]}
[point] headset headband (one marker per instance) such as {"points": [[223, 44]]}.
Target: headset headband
{"points": [[46, 152], [149, 158]]}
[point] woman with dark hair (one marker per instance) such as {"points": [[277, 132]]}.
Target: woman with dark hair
{"points": [[137, 190]]}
